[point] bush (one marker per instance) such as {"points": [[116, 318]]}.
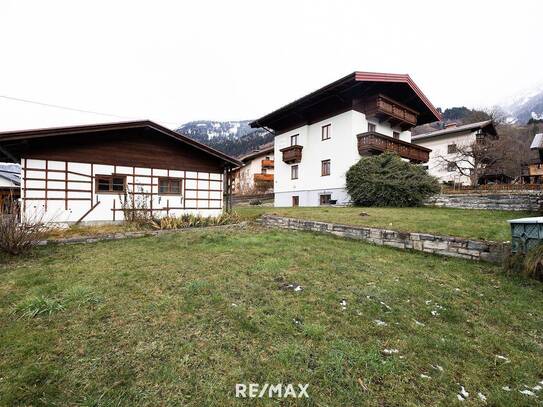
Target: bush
{"points": [[17, 237], [255, 202], [191, 221], [387, 180], [533, 263]]}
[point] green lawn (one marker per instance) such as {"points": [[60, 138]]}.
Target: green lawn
{"points": [[470, 223], [180, 319]]}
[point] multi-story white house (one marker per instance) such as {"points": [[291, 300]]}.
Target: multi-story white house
{"points": [[256, 175], [446, 145], [320, 136]]}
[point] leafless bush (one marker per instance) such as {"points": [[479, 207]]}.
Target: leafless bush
{"points": [[136, 208], [18, 236]]}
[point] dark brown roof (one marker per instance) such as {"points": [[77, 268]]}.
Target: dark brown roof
{"points": [[401, 87], [263, 149], [27, 135]]}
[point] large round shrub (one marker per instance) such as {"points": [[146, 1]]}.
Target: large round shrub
{"points": [[387, 180]]}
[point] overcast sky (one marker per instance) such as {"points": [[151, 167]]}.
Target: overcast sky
{"points": [[176, 61]]}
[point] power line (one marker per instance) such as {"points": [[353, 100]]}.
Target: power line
{"points": [[74, 109]]}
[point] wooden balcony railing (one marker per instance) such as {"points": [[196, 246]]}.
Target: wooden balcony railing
{"points": [[263, 177], [384, 108], [267, 163], [292, 154], [372, 143]]}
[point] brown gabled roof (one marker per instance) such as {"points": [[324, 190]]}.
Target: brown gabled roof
{"points": [[428, 113], [487, 126], [25, 135]]}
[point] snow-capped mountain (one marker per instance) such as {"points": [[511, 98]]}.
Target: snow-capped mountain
{"points": [[525, 106], [235, 138]]}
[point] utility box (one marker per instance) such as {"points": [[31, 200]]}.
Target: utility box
{"points": [[526, 233]]}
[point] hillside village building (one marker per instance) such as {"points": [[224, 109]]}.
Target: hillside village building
{"points": [[445, 143], [321, 135], [256, 174], [91, 173]]}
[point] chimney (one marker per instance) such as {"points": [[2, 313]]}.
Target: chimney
{"points": [[451, 125]]}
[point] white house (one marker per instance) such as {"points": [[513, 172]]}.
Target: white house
{"points": [[320, 136], [256, 175], [89, 173], [444, 144]]}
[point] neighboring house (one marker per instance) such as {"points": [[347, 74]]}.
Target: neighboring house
{"points": [[445, 143], [256, 175], [320, 136], [532, 173], [10, 182], [89, 173]]}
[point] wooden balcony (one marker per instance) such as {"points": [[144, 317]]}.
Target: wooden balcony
{"points": [[267, 163], [263, 177], [372, 143], [292, 154], [385, 109]]}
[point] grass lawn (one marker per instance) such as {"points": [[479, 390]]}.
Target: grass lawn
{"points": [[470, 223], [180, 319]]}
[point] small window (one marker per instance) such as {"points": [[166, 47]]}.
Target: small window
{"points": [[325, 167], [295, 200], [325, 132], [169, 186], [264, 170], [294, 172], [110, 183], [451, 167], [451, 149], [294, 140], [325, 199], [396, 134], [371, 128], [268, 157]]}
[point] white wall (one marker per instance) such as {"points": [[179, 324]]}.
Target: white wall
{"points": [[70, 194], [439, 146], [341, 149], [245, 182]]}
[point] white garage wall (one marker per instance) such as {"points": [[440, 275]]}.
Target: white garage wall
{"points": [[65, 191]]}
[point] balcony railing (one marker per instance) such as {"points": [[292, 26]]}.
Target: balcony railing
{"points": [[384, 108], [267, 163], [263, 177], [292, 154], [372, 143]]}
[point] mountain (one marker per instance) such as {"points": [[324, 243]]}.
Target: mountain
{"points": [[525, 106], [235, 138]]}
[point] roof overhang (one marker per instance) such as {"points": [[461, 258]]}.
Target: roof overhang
{"points": [[26, 136], [347, 85], [487, 126]]}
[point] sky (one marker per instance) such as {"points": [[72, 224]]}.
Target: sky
{"points": [[177, 61]]}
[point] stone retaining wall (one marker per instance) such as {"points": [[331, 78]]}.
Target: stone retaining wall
{"points": [[519, 201], [442, 245]]}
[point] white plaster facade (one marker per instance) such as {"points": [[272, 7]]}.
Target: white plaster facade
{"points": [[341, 149], [244, 182], [64, 192], [439, 145]]}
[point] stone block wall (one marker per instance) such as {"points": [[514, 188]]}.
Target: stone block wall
{"points": [[520, 201], [442, 245]]}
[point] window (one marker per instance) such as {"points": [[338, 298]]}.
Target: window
{"points": [[325, 199], [396, 134], [371, 127], [295, 200], [325, 167], [294, 140], [325, 132], [169, 186], [451, 167], [294, 172], [264, 170], [268, 157], [451, 149], [110, 183]]}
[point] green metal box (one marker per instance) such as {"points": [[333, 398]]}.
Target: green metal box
{"points": [[526, 233]]}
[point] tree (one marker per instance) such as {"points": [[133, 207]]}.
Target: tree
{"points": [[387, 180]]}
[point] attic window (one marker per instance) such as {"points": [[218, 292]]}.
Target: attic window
{"points": [[451, 149]]}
